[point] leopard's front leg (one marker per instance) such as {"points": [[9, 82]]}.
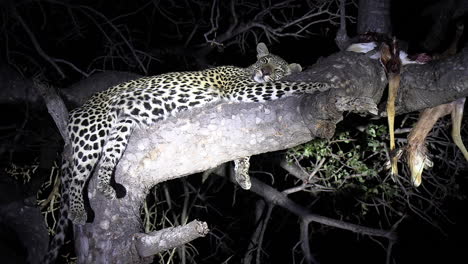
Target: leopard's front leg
{"points": [[241, 172]]}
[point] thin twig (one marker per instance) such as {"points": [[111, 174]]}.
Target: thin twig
{"points": [[36, 44]]}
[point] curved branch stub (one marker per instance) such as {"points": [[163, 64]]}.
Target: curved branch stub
{"points": [[161, 240]]}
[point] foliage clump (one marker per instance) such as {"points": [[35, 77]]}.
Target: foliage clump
{"points": [[352, 168]]}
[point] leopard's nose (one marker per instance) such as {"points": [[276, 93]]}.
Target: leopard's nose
{"points": [[266, 71]]}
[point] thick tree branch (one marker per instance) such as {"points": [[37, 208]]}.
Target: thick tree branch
{"points": [[374, 16], [80, 92], [192, 142], [342, 39], [362, 80], [56, 108]]}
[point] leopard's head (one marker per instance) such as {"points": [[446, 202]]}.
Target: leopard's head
{"points": [[270, 67]]}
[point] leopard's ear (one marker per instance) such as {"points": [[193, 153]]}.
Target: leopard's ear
{"points": [[294, 67], [262, 50]]}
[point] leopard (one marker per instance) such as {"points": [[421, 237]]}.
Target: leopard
{"points": [[99, 130]]}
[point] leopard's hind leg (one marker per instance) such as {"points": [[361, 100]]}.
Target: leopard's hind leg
{"points": [[112, 152]]}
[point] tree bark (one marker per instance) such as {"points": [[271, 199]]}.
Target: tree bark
{"points": [[203, 138], [374, 16], [16, 89]]}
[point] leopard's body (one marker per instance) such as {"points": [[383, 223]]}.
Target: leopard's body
{"points": [[99, 130]]}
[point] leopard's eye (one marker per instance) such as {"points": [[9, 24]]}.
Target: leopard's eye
{"points": [[264, 60]]}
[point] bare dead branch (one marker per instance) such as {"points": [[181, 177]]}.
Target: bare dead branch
{"points": [[277, 198], [36, 44], [255, 237], [263, 227], [214, 21], [116, 30], [305, 242], [289, 24], [308, 180], [293, 169], [73, 67], [161, 240]]}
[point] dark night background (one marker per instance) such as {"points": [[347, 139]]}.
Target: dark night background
{"points": [[153, 37]]}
